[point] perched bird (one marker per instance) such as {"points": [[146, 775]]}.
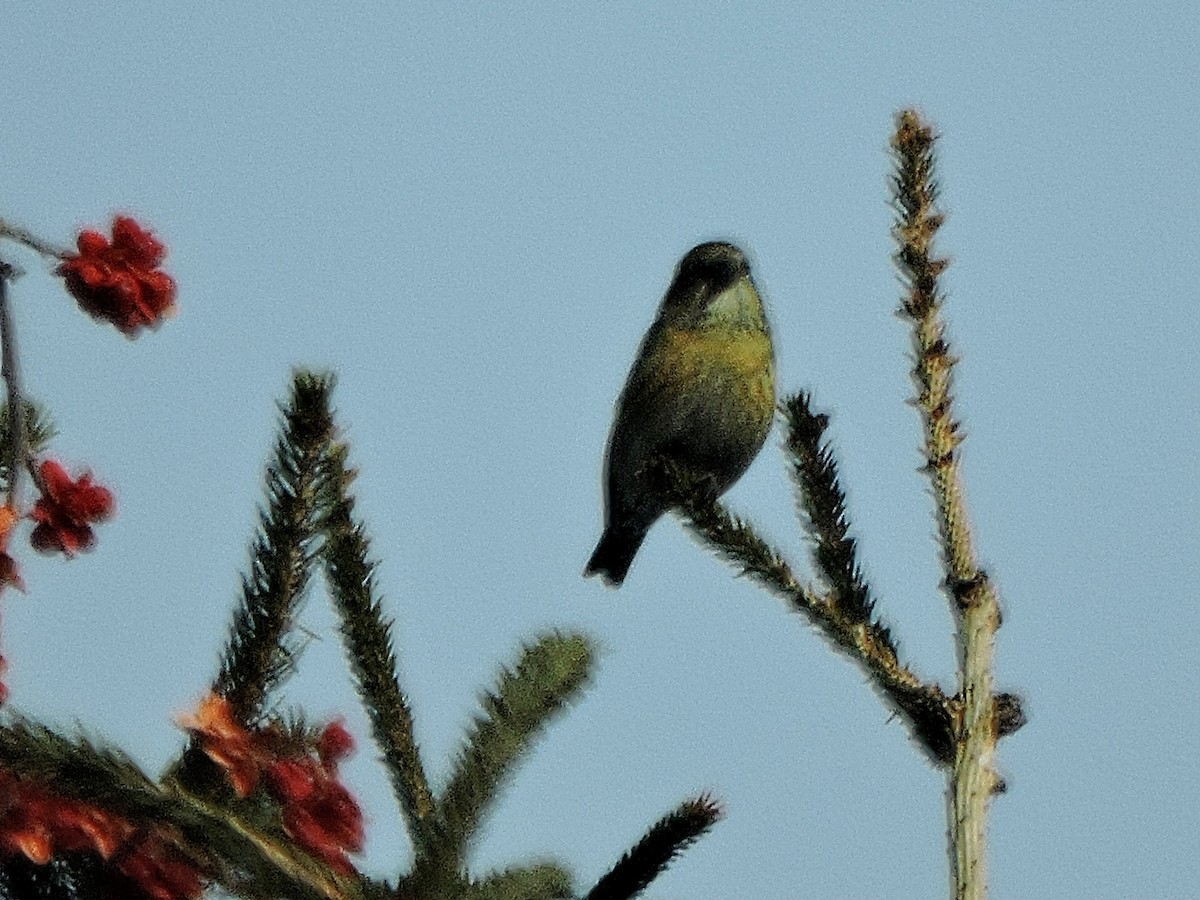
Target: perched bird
{"points": [[700, 395]]}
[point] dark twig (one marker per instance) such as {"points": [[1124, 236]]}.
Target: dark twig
{"points": [[11, 371]]}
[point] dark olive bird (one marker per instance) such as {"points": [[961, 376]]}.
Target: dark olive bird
{"points": [[701, 395]]}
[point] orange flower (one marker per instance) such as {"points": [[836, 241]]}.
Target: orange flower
{"points": [[64, 510], [9, 573], [119, 280], [228, 743]]}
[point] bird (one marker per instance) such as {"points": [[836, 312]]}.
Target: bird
{"points": [[700, 396]]}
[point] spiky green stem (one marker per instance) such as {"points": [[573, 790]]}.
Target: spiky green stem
{"points": [[366, 632]]}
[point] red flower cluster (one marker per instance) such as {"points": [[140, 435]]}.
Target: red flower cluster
{"points": [[119, 280], [37, 823], [64, 510], [62, 513], [316, 809]]}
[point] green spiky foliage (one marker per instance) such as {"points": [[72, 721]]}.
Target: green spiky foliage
{"points": [[261, 649], [849, 606], [544, 881], [841, 609], [239, 843], [549, 674], [367, 634], [38, 429], [260, 652], [666, 839]]}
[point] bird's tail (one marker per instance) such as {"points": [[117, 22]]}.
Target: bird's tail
{"points": [[614, 554]]}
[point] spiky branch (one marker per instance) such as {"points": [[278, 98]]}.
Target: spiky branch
{"points": [[822, 506], [549, 674], [977, 609], [649, 858], [841, 612], [366, 632], [260, 653]]}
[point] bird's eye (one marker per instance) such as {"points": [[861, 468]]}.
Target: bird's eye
{"points": [[720, 273]]}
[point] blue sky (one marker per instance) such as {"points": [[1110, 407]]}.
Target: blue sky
{"points": [[471, 217]]}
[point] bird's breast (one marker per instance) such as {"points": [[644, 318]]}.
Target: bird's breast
{"points": [[692, 353], [737, 362]]}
